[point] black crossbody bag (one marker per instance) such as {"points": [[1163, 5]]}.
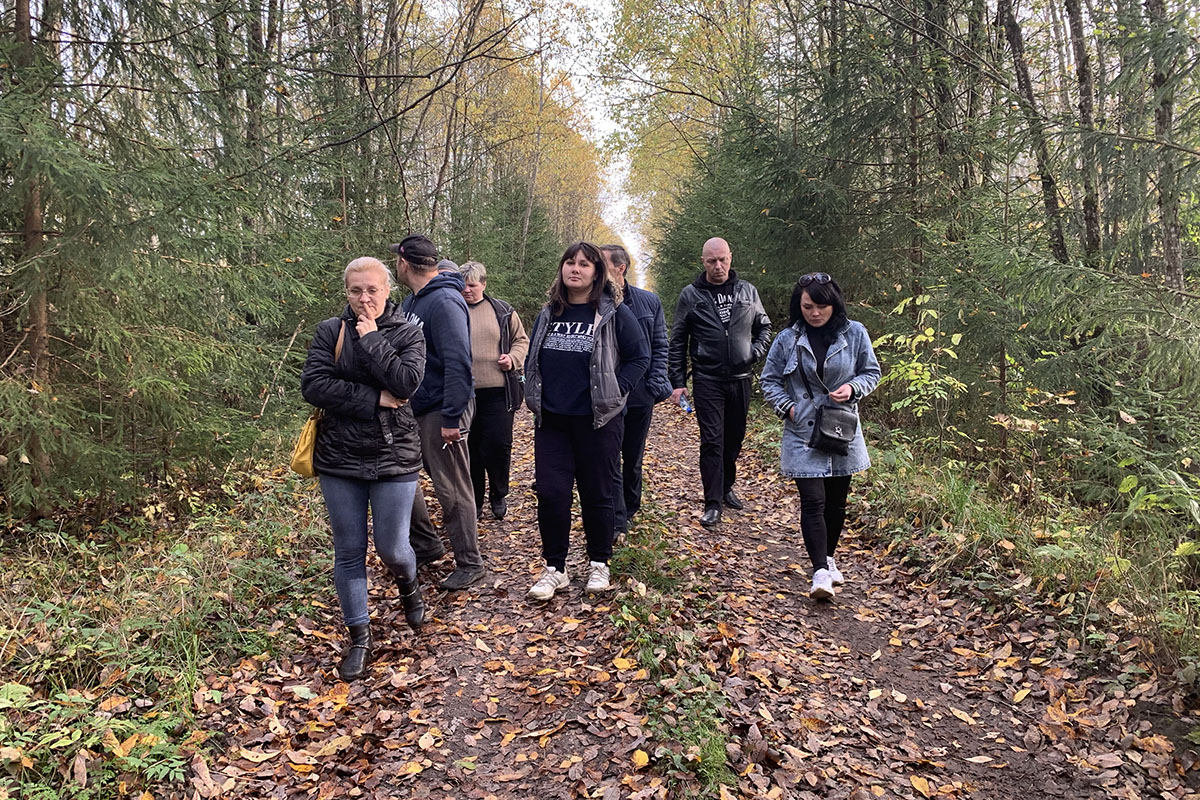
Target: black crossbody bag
{"points": [[834, 426]]}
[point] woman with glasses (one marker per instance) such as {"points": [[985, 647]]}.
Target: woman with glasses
{"points": [[821, 359], [362, 368]]}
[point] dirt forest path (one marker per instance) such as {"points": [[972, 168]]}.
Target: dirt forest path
{"points": [[899, 688]]}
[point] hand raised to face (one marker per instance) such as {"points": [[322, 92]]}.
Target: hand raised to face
{"points": [[365, 325]]}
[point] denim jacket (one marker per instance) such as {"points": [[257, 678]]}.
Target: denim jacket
{"points": [[851, 360]]}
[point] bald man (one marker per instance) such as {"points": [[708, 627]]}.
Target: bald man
{"points": [[721, 328]]}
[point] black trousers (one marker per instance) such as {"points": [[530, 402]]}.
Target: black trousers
{"points": [[721, 408], [567, 453], [628, 497], [822, 515], [490, 445]]}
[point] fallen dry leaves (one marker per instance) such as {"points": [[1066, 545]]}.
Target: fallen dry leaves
{"points": [[900, 688]]}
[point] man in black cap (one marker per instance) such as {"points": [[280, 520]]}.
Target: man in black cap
{"points": [[443, 406]]}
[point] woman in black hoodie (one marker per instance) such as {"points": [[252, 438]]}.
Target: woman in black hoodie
{"points": [[361, 370]]}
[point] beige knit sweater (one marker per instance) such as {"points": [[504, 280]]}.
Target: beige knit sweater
{"points": [[485, 345]]}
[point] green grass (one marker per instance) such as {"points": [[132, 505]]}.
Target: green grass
{"points": [[1101, 571], [659, 620], [108, 628]]}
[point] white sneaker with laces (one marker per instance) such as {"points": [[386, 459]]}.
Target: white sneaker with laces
{"points": [[598, 579], [822, 585], [834, 572], [550, 582]]}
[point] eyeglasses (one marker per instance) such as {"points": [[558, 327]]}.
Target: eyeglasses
{"points": [[814, 277]]}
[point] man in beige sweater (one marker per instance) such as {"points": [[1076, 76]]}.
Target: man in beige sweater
{"points": [[498, 348]]}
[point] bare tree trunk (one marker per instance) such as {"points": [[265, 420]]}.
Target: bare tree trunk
{"points": [[1087, 121], [916, 253], [537, 157], [1016, 44], [1162, 83], [256, 80], [936, 19], [1060, 52], [447, 152], [32, 244], [976, 50]]}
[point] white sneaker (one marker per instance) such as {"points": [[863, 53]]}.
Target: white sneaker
{"points": [[550, 582], [598, 580], [834, 572], [822, 587]]}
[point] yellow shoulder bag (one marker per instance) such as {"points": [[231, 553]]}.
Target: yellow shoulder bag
{"points": [[306, 445]]}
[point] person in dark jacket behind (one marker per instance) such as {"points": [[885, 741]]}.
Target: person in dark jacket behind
{"points": [[443, 406], [361, 370], [653, 388], [498, 348], [721, 326], [596, 352]]}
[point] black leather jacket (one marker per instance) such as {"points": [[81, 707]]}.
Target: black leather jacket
{"points": [[717, 352], [356, 438]]}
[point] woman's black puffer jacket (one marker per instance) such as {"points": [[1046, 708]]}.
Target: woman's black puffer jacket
{"points": [[352, 436]]}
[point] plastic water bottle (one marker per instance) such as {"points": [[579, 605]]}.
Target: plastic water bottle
{"points": [[685, 405]]}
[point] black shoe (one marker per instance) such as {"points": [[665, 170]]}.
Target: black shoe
{"points": [[429, 558], [478, 512], [710, 517], [358, 653], [731, 501], [462, 578], [414, 605], [499, 508]]}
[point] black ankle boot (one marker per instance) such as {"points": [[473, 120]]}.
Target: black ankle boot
{"points": [[357, 654], [414, 605]]}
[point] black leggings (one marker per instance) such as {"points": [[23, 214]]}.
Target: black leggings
{"points": [[822, 513]]}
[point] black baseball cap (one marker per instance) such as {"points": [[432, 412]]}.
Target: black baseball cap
{"points": [[416, 249]]}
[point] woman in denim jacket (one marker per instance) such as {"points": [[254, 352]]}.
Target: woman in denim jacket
{"points": [[836, 357]]}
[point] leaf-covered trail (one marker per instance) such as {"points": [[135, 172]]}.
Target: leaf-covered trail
{"points": [[899, 688]]}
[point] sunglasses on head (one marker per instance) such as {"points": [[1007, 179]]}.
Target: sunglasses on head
{"points": [[814, 277]]}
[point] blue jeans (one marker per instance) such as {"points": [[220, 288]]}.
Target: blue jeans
{"points": [[391, 505]]}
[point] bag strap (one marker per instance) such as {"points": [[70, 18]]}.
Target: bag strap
{"points": [[337, 350], [804, 377]]}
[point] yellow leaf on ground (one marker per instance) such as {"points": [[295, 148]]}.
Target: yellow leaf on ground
{"points": [[411, 768], [110, 703], [107, 738], [624, 663], [1021, 695], [334, 745], [979, 759], [964, 716], [14, 756], [920, 784], [257, 757], [640, 759]]}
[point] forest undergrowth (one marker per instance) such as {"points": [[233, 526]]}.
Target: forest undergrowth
{"points": [[110, 625]]}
